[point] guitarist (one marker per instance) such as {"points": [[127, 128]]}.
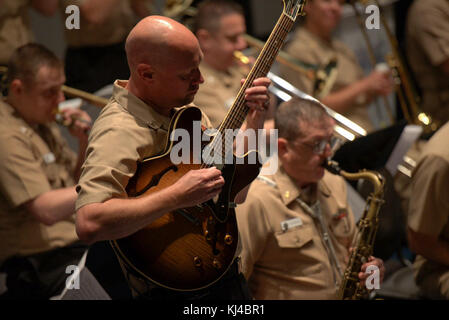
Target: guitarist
{"points": [[163, 57]]}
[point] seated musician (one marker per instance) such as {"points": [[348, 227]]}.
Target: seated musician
{"points": [[37, 175], [286, 216], [428, 227], [15, 28], [313, 43], [164, 58], [219, 26]]}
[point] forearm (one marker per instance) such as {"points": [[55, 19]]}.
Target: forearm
{"points": [[344, 99], [118, 218], [80, 160], [45, 7], [432, 248], [53, 206]]}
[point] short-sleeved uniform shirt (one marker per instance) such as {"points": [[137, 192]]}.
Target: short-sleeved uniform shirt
{"points": [[218, 92], [14, 27], [427, 39], [126, 132], [429, 205], [113, 30], [293, 263], [310, 49], [32, 161]]}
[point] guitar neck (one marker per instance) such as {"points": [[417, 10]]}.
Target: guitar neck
{"points": [[237, 114]]}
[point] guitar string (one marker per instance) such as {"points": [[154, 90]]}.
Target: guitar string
{"points": [[240, 110], [279, 34]]}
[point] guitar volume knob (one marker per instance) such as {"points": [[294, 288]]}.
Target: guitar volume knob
{"points": [[197, 261], [216, 264], [228, 239]]}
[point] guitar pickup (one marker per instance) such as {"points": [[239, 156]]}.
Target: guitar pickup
{"points": [[188, 216]]}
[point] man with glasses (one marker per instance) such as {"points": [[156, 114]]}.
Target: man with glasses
{"points": [[296, 225]]}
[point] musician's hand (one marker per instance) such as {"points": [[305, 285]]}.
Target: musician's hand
{"points": [[78, 122], [372, 261], [198, 186], [379, 83], [257, 99]]}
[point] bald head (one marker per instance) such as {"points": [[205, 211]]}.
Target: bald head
{"points": [[157, 40]]}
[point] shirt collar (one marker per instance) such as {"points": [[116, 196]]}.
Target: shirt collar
{"points": [[227, 77], [289, 190], [138, 108]]}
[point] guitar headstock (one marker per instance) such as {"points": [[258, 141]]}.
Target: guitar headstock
{"points": [[294, 8]]}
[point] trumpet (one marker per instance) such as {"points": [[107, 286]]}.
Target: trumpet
{"points": [[94, 100], [345, 129], [324, 76]]}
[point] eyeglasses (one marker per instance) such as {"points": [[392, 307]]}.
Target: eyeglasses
{"points": [[319, 146]]}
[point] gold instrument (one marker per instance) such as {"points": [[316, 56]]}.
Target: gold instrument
{"points": [[363, 242], [323, 75], [86, 96], [345, 130], [408, 97], [174, 9]]}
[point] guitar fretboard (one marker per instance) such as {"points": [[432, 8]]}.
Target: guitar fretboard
{"points": [[238, 112]]}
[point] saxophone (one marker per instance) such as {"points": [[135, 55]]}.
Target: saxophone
{"points": [[362, 245]]}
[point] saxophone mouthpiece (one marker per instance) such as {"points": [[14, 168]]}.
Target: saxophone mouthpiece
{"points": [[331, 166]]}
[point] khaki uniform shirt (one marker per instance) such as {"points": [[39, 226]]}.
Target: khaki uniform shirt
{"points": [[114, 30], [310, 49], [14, 27], [427, 47], [32, 162], [126, 132], [429, 205], [293, 264], [218, 92]]}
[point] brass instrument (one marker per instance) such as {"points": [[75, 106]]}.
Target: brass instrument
{"points": [[174, 9], [86, 96], [408, 97], [363, 242], [324, 76], [345, 129]]}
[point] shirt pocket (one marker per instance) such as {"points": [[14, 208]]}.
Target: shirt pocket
{"points": [[341, 224], [294, 238]]}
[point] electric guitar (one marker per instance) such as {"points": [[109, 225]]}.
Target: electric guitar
{"points": [[192, 248]]}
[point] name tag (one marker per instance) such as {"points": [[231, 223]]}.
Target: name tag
{"points": [[289, 224], [49, 158]]}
